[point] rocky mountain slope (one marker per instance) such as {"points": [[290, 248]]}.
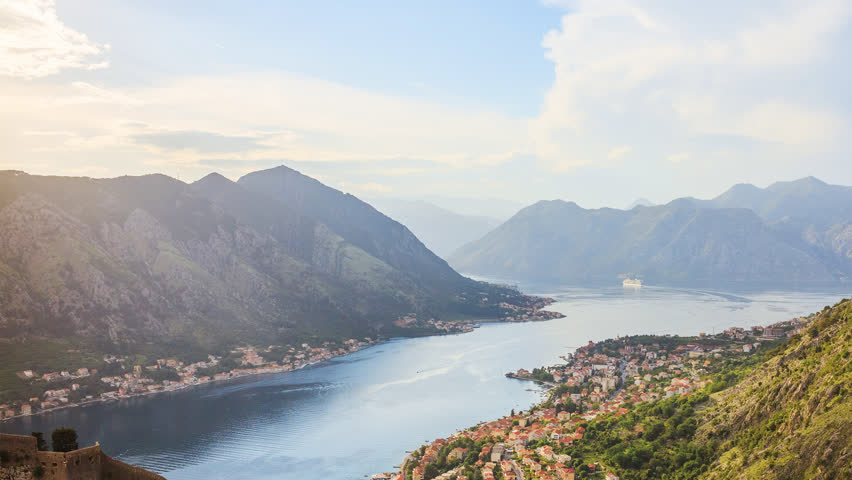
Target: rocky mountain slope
{"points": [[275, 258], [792, 416], [739, 238]]}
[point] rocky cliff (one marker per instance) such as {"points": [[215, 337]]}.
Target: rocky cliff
{"points": [[136, 260]]}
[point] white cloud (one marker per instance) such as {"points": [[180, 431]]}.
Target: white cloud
{"points": [[253, 118], [663, 73], [704, 93], [800, 35], [35, 43], [618, 152]]}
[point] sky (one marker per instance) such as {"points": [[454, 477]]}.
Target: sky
{"points": [[595, 102]]}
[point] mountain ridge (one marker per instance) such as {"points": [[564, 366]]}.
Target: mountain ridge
{"points": [[134, 261], [737, 238]]}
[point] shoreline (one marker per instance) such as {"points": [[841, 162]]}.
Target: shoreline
{"points": [[473, 324], [608, 400], [187, 386]]}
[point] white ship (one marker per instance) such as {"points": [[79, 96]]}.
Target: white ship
{"points": [[631, 283]]}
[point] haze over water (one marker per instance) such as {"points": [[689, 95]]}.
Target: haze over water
{"points": [[357, 415]]}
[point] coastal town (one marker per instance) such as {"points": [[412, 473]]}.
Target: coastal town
{"points": [[598, 381], [119, 377]]}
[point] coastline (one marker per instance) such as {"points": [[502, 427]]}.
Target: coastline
{"points": [[187, 386], [592, 384], [464, 327]]}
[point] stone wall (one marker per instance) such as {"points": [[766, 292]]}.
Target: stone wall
{"points": [[18, 457], [20, 449], [24, 462], [113, 469], [53, 464]]}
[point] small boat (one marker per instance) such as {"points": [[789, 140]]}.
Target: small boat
{"points": [[631, 283]]}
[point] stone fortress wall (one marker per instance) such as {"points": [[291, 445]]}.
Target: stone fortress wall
{"points": [[21, 460]]}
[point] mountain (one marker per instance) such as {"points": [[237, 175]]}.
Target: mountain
{"points": [[357, 222], [489, 207], [640, 202], [682, 243], [807, 198], [441, 230], [151, 262], [807, 209]]}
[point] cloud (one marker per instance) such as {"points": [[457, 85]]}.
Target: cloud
{"points": [[86, 93], [35, 43], [618, 152], [259, 118], [201, 142], [231, 163], [663, 73], [744, 90]]}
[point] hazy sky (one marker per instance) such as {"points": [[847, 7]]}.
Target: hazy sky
{"points": [[600, 102]]}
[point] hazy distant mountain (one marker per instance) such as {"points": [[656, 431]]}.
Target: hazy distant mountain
{"points": [[275, 257], [807, 198], [807, 209], [640, 202], [441, 230], [494, 207], [687, 241]]}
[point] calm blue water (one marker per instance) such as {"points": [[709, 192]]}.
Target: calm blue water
{"points": [[359, 414]]}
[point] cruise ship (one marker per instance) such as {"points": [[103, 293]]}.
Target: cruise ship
{"points": [[631, 283]]}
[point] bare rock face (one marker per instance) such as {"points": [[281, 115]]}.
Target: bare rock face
{"points": [[151, 259], [840, 238]]}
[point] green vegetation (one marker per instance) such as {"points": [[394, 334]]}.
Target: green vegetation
{"points": [[41, 443], [64, 439], [40, 355], [443, 464], [542, 375], [792, 417], [652, 441], [784, 414]]}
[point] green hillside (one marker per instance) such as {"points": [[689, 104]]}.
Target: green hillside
{"points": [[792, 416], [786, 414]]}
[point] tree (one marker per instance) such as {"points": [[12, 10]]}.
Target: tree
{"points": [[64, 439], [40, 441]]}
